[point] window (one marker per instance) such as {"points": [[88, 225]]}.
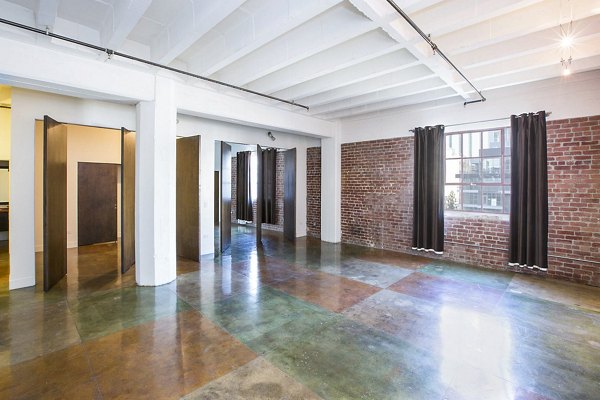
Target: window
{"points": [[478, 171]]}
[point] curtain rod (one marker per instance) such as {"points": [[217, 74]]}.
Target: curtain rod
{"points": [[477, 122], [437, 50], [110, 53], [5, 106]]}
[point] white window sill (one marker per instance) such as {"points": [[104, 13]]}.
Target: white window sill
{"points": [[475, 215]]}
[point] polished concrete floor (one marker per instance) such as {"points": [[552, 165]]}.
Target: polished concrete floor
{"points": [[305, 321]]}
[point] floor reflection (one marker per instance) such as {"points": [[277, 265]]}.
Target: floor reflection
{"points": [[303, 319]]}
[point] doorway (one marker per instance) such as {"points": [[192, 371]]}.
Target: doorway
{"points": [[85, 201], [255, 189]]}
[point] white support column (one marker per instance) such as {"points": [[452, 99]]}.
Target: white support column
{"points": [[331, 188], [156, 254]]}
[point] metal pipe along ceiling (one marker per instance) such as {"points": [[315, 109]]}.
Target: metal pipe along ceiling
{"points": [[111, 53], [437, 50]]}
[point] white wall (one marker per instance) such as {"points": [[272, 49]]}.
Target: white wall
{"points": [[210, 131], [27, 107], [568, 97], [84, 144]]}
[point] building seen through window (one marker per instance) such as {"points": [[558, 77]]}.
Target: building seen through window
{"points": [[478, 171]]}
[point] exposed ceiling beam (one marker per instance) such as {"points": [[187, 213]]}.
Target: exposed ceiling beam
{"points": [[433, 95], [277, 29], [395, 61], [402, 32], [392, 79], [355, 51], [435, 21], [192, 22], [378, 96], [514, 24], [336, 26], [123, 19], [45, 13]]}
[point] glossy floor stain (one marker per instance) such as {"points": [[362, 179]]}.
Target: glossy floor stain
{"points": [[299, 321]]}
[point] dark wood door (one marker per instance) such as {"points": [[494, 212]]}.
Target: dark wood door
{"points": [[55, 202], [127, 199], [225, 196], [259, 194], [188, 198], [217, 198], [289, 195], [96, 203]]}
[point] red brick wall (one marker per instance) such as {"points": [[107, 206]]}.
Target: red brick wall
{"points": [[377, 204], [278, 226], [313, 192]]}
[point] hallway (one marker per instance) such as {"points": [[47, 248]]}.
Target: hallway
{"points": [[300, 321]]}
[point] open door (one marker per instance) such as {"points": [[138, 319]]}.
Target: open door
{"points": [[188, 198], [259, 194], [225, 196], [55, 202], [127, 199], [289, 195]]}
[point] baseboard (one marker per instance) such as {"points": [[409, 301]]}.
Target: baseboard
{"points": [[21, 282]]}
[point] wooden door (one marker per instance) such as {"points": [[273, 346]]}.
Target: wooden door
{"points": [[188, 198], [289, 195], [225, 196], [259, 194], [55, 202], [127, 199], [96, 203]]}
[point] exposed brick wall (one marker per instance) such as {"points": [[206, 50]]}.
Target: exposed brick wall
{"points": [[278, 226], [377, 204], [313, 192]]}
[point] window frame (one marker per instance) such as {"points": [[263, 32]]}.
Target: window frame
{"points": [[504, 132]]}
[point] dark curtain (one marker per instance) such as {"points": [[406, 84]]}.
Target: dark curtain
{"points": [[428, 196], [243, 187], [529, 192], [269, 186]]}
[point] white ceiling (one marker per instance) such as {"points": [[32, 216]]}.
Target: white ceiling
{"points": [[340, 57]]}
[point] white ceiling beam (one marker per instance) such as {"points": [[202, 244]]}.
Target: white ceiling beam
{"points": [[395, 61], [393, 79], [526, 44], [402, 32], [378, 96], [277, 28], [426, 97], [45, 13], [329, 29], [192, 22], [528, 20], [435, 21], [352, 52], [123, 19]]}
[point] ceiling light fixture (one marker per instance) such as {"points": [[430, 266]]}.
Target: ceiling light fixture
{"points": [[270, 135], [566, 44]]}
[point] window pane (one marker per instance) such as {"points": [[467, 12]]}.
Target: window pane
{"points": [[471, 144], [453, 171], [492, 199], [506, 170], [492, 144], [507, 144], [471, 197], [492, 170], [452, 197], [452, 146], [507, 199], [471, 172]]}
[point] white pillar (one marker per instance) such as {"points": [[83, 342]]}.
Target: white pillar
{"points": [[22, 194], [155, 253], [331, 189]]}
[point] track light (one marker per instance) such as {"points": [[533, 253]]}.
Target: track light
{"points": [[270, 135], [566, 41], [566, 64]]}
